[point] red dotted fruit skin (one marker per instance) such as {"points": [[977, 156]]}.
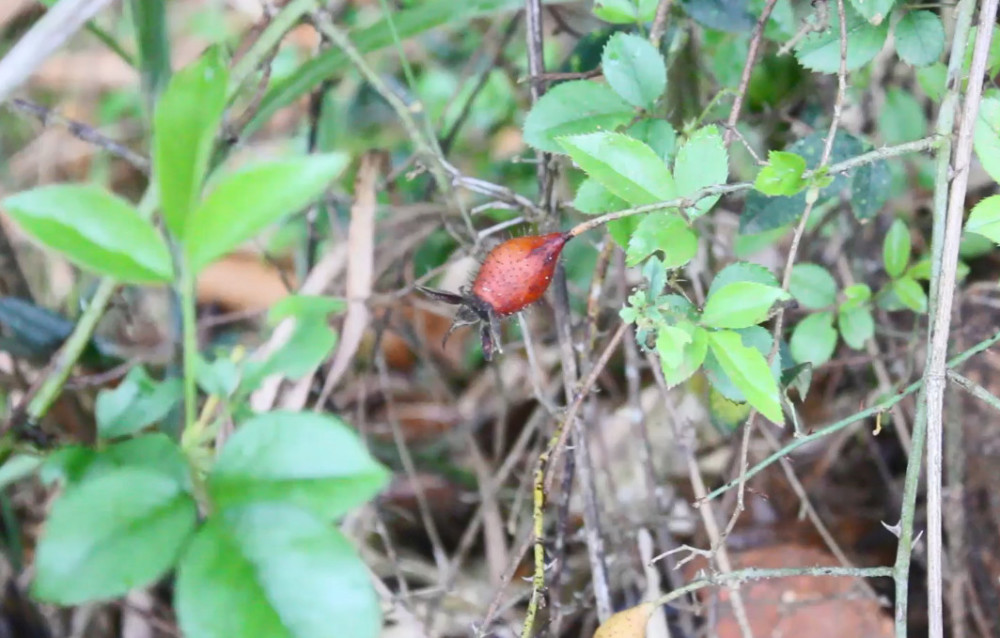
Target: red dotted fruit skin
{"points": [[517, 273]]}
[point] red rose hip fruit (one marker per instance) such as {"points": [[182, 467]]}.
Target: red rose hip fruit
{"points": [[513, 275]]}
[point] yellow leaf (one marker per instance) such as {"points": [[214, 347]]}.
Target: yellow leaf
{"points": [[628, 623]]}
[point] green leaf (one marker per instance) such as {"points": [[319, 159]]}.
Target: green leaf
{"points": [[870, 189], [594, 199], [702, 161], [625, 11], [19, 466], [185, 123], [782, 175], [742, 271], [986, 138], [875, 11], [856, 325], [93, 229], [740, 305], [312, 460], [813, 286], [902, 117], [911, 294], [634, 69], [984, 219], [722, 15], [932, 79], [664, 232], [274, 570], [820, 51], [136, 403], [155, 452], [572, 108], [762, 213], [814, 339], [115, 533], [218, 377], [856, 295], [657, 134], [679, 364], [246, 202], [896, 249], [623, 165], [919, 37], [748, 369]]}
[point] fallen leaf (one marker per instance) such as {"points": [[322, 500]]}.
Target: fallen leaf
{"points": [[628, 623]]}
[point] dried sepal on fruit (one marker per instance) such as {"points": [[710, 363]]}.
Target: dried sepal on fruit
{"points": [[628, 623], [513, 276]]}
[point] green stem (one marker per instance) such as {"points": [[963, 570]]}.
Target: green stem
{"points": [[186, 292], [268, 40]]}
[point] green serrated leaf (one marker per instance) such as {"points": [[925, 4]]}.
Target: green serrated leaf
{"points": [[634, 69], [748, 369], [274, 570], [249, 200], [667, 233], [896, 249], [782, 175], [702, 161], [309, 459], [680, 368], [814, 339], [94, 229], [932, 79], [901, 118], [875, 11], [870, 190], [185, 123], [742, 271], [820, 51], [986, 138], [911, 294], [574, 108], [594, 199], [856, 325], [740, 305], [137, 402], [984, 219], [657, 134], [919, 37], [625, 166], [813, 286], [112, 534]]}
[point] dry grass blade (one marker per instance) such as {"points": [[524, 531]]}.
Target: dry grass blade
{"points": [[48, 34], [360, 265]]}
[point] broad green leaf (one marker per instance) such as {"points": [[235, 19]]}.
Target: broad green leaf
{"points": [[634, 69], [901, 118], [702, 161], [875, 11], [814, 339], [185, 123], [870, 189], [155, 452], [972, 245], [813, 286], [820, 51], [218, 377], [855, 296], [932, 79], [911, 294], [623, 165], [657, 134], [573, 108], [782, 175], [594, 199], [919, 37], [762, 213], [625, 11], [742, 271], [312, 460], [896, 249], [664, 232], [670, 344], [756, 337], [984, 219], [136, 403], [856, 325], [748, 369], [723, 15], [94, 229], [274, 570], [114, 533], [249, 200], [678, 369], [986, 138], [740, 305]]}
